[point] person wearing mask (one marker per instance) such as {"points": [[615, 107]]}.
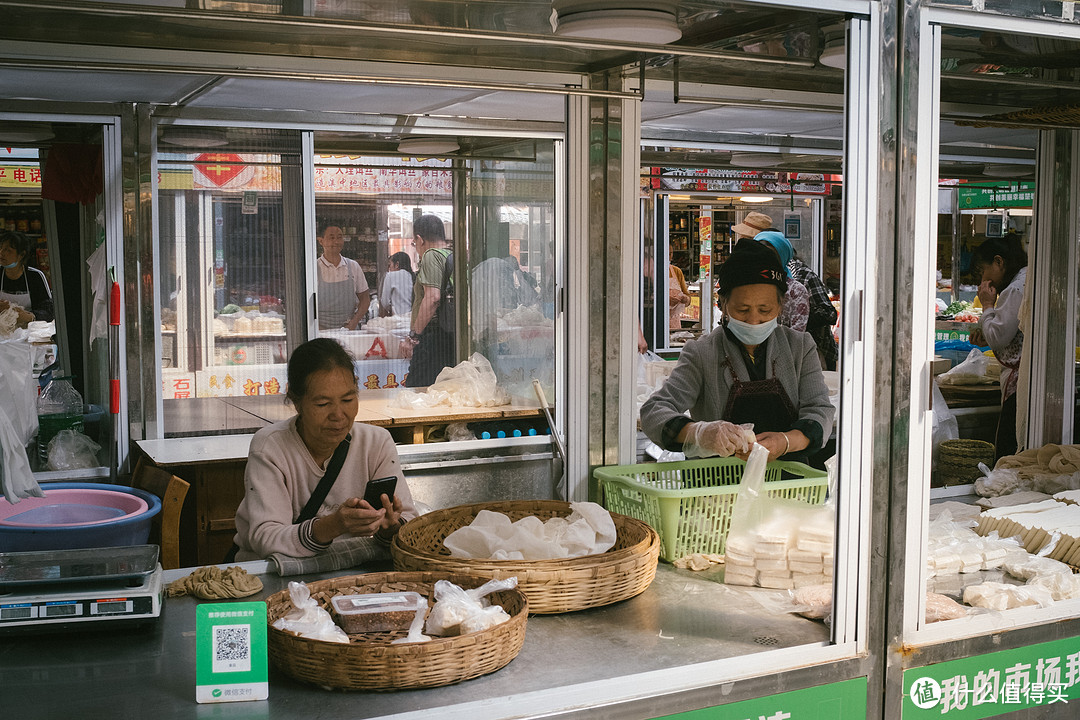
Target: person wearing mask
{"points": [[821, 314], [344, 295], [395, 296], [430, 346], [1000, 265], [750, 370], [288, 459], [22, 287]]}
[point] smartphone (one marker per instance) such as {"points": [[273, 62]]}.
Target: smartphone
{"points": [[377, 488]]}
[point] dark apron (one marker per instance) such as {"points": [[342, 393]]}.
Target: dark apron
{"points": [[764, 403]]}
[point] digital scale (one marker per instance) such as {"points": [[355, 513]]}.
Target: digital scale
{"points": [[68, 589]]}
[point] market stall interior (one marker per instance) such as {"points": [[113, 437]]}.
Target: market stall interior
{"points": [[230, 259]]}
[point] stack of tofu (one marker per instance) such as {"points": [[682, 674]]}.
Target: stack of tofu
{"points": [[782, 556]]}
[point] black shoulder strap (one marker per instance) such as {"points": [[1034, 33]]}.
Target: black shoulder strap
{"points": [[327, 481], [448, 274]]}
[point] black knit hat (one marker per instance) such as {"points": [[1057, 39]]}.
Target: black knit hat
{"points": [[751, 263]]}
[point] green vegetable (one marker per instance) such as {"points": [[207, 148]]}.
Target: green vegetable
{"points": [[230, 309]]}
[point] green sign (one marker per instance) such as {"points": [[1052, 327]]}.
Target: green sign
{"points": [[996, 683], [1013, 195], [230, 652], [837, 701]]}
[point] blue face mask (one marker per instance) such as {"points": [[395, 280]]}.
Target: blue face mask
{"points": [[12, 265], [751, 334]]}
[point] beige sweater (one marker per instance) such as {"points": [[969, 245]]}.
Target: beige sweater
{"points": [[281, 475]]}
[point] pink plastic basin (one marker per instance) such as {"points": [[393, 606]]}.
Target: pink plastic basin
{"points": [[67, 507]]}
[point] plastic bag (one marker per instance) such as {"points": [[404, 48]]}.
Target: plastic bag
{"points": [[972, 371], [470, 383], [308, 619], [71, 450], [416, 634], [588, 530], [1004, 481], [945, 425], [777, 542], [1002, 596], [458, 612], [19, 389], [16, 478]]}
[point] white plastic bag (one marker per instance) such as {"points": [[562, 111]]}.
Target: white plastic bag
{"points": [[19, 389], [470, 383], [588, 530], [972, 371], [308, 619], [945, 425], [16, 478], [416, 634], [459, 612], [71, 450], [1004, 481]]}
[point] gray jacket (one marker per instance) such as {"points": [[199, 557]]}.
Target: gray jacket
{"points": [[701, 383]]}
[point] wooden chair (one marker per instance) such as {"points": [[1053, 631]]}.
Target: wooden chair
{"points": [[166, 526]]}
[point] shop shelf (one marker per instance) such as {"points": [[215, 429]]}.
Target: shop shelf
{"points": [[689, 503]]}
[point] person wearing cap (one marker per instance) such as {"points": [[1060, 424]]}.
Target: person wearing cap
{"points": [[749, 370], [796, 310], [796, 313], [822, 314], [751, 225]]}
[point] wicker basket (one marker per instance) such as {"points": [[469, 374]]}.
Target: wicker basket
{"points": [[958, 460], [552, 586], [371, 662]]}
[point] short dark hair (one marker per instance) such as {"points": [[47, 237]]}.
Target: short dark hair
{"points": [[312, 357], [1009, 248], [430, 227], [321, 228], [18, 241]]}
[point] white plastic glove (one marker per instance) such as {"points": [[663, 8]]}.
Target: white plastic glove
{"points": [[717, 437]]}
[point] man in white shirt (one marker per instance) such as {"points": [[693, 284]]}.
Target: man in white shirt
{"points": [[343, 290]]}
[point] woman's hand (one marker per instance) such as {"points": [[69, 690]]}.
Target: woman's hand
{"points": [[356, 517], [987, 294], [976, 337], [779, 444]]}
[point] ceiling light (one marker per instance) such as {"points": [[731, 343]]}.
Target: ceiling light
{"points": [[1006, 170], [193, 137], [427, 146], [755, 198], [631, 21], [16, 133], [756, 159]]}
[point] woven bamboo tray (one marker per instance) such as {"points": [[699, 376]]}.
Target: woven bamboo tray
{"points": [[371, 662], [958, 460], [552, 586]]}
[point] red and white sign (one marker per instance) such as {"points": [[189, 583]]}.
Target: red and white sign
{"points": [[223, 170]]}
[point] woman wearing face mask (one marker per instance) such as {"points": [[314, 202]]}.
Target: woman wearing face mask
{"points": [[22, 287], [748, 371]]}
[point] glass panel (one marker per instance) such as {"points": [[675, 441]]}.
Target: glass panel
{"points": [[227, 237]]}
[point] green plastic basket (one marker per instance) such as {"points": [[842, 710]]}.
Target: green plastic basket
{"points": [[689, 503]]}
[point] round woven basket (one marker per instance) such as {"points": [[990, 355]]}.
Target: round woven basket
{"points": [[371, 662], [552, 586], [958, 460]]}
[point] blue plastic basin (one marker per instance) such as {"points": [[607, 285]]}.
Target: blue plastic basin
{"points": [[62, 526]]}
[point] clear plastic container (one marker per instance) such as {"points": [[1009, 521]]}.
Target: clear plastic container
{"points": [[377, 612]]}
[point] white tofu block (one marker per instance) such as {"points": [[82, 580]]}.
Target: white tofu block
{"points": [[770, 549], [803, 556], [740, 578], [775, 581], [945, 563], [772, 565], [799, 580], [814, 546], [806, 567], [738, 558]]}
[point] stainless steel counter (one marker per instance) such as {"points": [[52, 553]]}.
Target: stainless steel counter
{"points": [[639, 647]]}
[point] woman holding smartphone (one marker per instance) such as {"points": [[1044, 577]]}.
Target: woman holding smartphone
{"points": [[289, 459]]}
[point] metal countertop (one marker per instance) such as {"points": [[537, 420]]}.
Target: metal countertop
{"points": [[683, 618]]}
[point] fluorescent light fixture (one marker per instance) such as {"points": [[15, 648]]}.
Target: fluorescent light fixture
{"points": [[630, 21], [756, 159], [755, 198], [193, 137], [427, 146], [16, 133], [1007, 170]]}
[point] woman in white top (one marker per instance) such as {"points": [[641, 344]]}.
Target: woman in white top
{"points": [[1001, 266], [395, 297]]}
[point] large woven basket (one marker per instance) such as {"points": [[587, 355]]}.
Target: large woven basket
{"points": [[552, 586], [371, 662], [958, 460]]}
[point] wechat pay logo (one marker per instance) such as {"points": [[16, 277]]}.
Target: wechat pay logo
{"points": [[925, 693], [216, 692]]}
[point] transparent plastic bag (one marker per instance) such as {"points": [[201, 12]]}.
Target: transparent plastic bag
{"points": [[470, 383], [459, 612], [308, 619], [1003, 481], [71, 450], [972, 371]]}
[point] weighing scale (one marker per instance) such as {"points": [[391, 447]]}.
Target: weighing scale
{"points": [[83, 588]]}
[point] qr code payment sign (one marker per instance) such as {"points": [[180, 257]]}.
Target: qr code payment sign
{"points": [[232, 648]]}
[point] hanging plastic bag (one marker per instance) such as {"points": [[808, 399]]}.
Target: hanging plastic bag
{"points": [[71, 450], [16, 478], [945, 425], [458, 612], [308, 619]]}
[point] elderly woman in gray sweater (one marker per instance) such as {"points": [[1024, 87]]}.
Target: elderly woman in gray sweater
{"points": [[749, 371]]}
